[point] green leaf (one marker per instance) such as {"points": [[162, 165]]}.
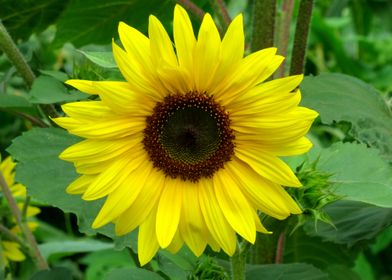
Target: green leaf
{"points": [[132, 274], [101, 262], [46, 177], [48, 90], [339, 97], [313, 250], [103, 59], [69, 247], [177, 266], [353, 222], [382, 241], [91, 22], [22, 18], [58, 75], [13, 101], [358, 173], [58, 273], [341, 272], [364, 268], [293, 271]]}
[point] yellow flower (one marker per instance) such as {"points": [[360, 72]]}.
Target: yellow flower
{"points": [[7, 169], [187, 147], [11, 252]]}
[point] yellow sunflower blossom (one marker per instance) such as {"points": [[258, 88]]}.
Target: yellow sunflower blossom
{"points": [[11, 250], [187, 148], [7, 167]]}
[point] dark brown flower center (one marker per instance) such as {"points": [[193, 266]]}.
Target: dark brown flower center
{"points": [[188, 136]]}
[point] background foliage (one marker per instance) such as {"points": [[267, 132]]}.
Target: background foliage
{"points": [[345, 239]]}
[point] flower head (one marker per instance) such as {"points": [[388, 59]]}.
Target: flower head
{"points": [[187, 147], [10, 249]]}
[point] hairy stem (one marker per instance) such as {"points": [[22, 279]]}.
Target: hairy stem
{"points": [[10, 235], [193, 8], [263, 24], [34, 251], [301, 37], [220, 10], [14, 55], [283, 34], [238, 261], [280, 247]]}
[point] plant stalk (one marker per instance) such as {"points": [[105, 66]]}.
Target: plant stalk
{"points": [[280, 247], [301, 37], [283, 34], [263, 24], [238, 262], [220, 10], [14, 55], [34, 250]]}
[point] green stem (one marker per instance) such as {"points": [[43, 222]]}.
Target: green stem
{"points": [[10, 235], [238, 262], [11, 50], [221, 12], [34, 251], [263, 24], [14, 55], [283, 34], [301, 37]]}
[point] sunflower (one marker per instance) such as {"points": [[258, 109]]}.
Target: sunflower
{"points": [[11, 250], [186, 149]]}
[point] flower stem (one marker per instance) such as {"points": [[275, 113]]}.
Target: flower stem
{"points": [[220, 10], [283, 33], [301, 37], [280, 247], [10, 235], [238, 262], [193, 8], [11, 50], [14, 55], [35, 253], [263, 24]]}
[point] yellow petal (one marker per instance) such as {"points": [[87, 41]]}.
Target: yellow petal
{"points": [[169, 211], [176, 243], [234, 206], [82, 85], [268, 166], [12, 251], [246, 76], [192, 226], [123, 196], [143, 205], [87, 110], [114, 176], [207, 54], [120, 97], [269, 197], [136, 44], [161, 46], [80, 185], [147, 243], [104, 129], [184, 38], [216, 222], [133, 74]]}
